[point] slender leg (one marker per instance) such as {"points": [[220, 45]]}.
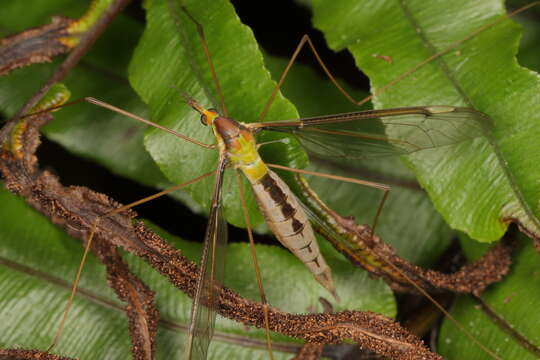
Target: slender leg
{"points": [[147, 122], [93, 230], [385, 188], [255, 265], [202, 37], [108, 106], [200, 31], [279, 141], [421, 290], [305, 39]]}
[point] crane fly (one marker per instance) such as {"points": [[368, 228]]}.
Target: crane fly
{"points": [[325, 136], [281, 210], [342, 135]]}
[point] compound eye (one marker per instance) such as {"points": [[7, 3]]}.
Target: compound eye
{"points": [[203, 120]]}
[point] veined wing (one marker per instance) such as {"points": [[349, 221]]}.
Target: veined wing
{"points": [[212, 268], [363, 134]]}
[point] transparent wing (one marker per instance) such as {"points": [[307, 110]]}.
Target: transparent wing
{"points": [[212, 268], [365, 134]]}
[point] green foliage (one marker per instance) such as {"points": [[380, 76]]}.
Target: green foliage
{"points": [[157, 80], [82, 130], [476, 186], [38, 264], [513, 300]]}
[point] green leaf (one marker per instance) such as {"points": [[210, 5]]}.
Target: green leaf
{"points": [[38, 264], [315, 95], [515, 300], [91, 132], [246, 86], [454, 183], [472, 186], [42, 11], [81, 129], [116, 142], [476, 186]]}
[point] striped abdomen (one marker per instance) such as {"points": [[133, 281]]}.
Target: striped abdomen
{"points": [[289, 223], [281, 210]]}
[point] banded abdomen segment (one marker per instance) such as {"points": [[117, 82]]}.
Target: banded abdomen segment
{"points": [[289, 223], [280, 208]]}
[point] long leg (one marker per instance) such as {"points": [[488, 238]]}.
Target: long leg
{"points": [[385, 188], [388, 262], [145, 121], [202, 37], [255, 264], [108, 106], [200, 32], [93, 230], [305, 39], [206, 299]]}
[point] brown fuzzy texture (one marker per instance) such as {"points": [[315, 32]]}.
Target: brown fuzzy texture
{"points": [[310, 351], [469, 279], [23, 354], [141, 311], [76, 209], [368, 251], [33, 46]]}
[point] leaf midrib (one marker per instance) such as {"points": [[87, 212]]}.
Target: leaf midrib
{"points": [[119, 307], [445, 69]]}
